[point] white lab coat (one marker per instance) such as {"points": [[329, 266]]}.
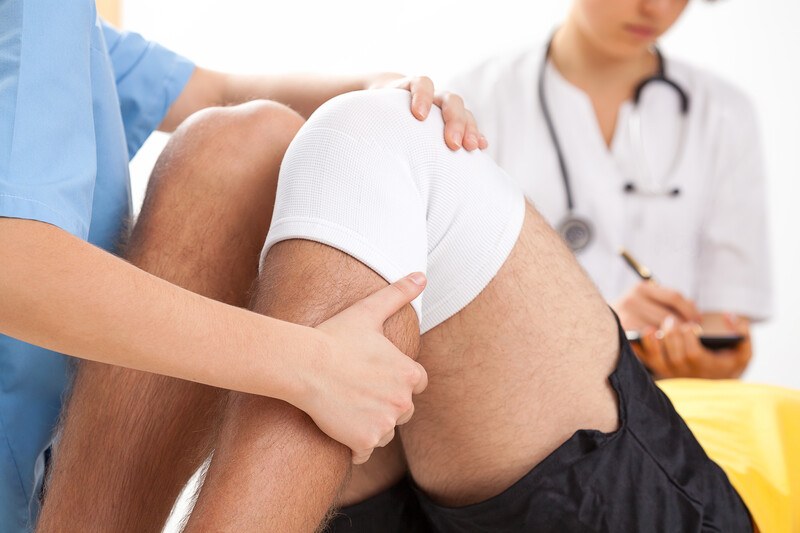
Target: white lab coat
{"points": [[710, 242]]}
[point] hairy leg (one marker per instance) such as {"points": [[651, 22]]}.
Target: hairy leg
{"points": [[132, 439], [273, 469], [513, 375]]}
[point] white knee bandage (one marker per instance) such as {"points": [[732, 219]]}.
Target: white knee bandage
{"points": [[364, 176]]}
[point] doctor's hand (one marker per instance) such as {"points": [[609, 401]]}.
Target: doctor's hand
{"points": [[361, 385], [460, 128], [675, 351], [647, 304]]}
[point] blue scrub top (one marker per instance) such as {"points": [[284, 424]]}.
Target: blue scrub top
{"points": [[77, 100]]}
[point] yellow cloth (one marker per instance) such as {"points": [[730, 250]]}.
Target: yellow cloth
{"points": [[753, 433]]}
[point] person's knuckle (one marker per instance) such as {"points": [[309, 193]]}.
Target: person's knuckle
{"points": [[453, 99], [456, 124], [379, 431], [398, 403], [412, 373], [405, 405], [364, 442], [362, 448], [362, 456], [387, 424], [386, 439]]}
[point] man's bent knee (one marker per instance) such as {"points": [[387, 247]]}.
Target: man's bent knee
{"points": [[224, 146], [252, 123]]}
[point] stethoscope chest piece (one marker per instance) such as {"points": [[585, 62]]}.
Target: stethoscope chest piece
{"points": [[576, 232]]}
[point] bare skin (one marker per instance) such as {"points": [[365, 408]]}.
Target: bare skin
{"points": [[552, 355], [273, 470], [550, 340], [604, 49]]}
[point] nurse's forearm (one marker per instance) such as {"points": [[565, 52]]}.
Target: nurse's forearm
{"points": [[61, 293], [302, 92]]}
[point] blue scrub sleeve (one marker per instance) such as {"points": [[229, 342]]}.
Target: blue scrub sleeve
{"points": [[47, 142], [149, 78]]}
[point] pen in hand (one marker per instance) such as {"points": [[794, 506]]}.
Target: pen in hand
{"points": [[727, 340], [642, 271], [656, 293]]}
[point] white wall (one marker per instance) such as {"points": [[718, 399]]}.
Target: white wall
{"points": [[754, 44]]}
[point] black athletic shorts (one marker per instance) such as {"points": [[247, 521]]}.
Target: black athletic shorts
{"points": [[650, 475]]}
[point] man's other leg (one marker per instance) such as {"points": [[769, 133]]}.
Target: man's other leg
{"points": [[520, 429], [517, 372], [132, 439], [273, 469]]}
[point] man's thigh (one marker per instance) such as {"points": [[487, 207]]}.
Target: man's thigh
{"points": [[513, 374], [538, 413]]}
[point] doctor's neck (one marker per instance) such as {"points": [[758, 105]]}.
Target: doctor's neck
{"points": [[605, 46], [589, 64]]}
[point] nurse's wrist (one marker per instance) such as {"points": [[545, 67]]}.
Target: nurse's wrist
{"points": [[378, 80]]}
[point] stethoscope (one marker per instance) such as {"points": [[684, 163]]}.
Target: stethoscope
{"points": [[576, 231]]}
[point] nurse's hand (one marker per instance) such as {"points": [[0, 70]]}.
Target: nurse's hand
{"points": [[647, 304], [362, 385], [460, 128], [675, 351]]}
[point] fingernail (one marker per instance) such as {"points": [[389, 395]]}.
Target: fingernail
{"points": [[456, 140], [418, 278], [472, 140]]}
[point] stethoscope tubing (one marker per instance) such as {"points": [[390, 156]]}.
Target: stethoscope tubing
{"points": [[571, 220]]}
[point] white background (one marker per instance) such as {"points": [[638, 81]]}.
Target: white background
{"points": [[755, 44]]}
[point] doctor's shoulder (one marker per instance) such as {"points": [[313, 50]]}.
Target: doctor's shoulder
{"points": [[716, 99], [496, 88], [498, 81]]}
